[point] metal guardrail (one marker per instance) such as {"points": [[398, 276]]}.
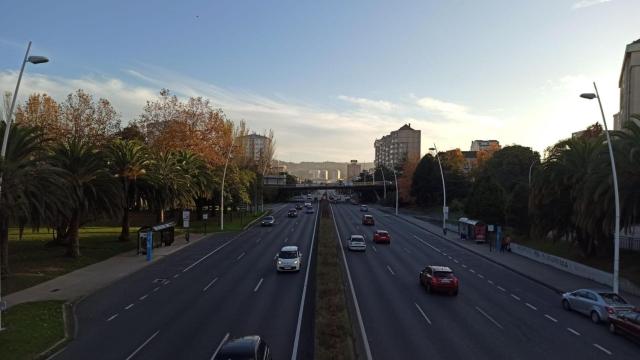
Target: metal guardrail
{"points": [[630, 243]]}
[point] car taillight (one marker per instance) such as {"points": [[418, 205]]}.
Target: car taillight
{"points": [[610, 310]]}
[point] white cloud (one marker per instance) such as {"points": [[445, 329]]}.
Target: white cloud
{"points": [[368, 103], [456, 112], [588, 3]]}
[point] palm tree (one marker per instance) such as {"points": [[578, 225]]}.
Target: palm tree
{"points": [[128, 161], [627, 147], [94, 191]]}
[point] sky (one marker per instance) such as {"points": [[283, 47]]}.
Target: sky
{"points": [[329, 77]]}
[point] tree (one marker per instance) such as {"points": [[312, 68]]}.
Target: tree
{"points": [[43, 112], [82, 118], [486, 201], [405, 180], [426, 185]]}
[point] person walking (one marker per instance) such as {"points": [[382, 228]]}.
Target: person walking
{"points": [[507, 243]]}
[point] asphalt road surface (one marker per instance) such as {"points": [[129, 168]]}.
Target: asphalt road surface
{"points": [[183, 306], [497, 314]]}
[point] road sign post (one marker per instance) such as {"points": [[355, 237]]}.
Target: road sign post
{"points": [[149, 244], [185, 223], [205, 217]]}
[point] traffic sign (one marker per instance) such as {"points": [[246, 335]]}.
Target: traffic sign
{"points": [[205, 216], [185, 218]]}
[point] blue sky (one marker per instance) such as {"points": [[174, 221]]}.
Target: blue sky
{"points": [[331, 76]]}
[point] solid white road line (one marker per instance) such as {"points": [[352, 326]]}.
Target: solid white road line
{"points": [[128, 307], [426, 243], [573, 331], [550, 318], [296, 340], [489, 317], [112, 317], [211, 253], [143, 297], [515, 297], [603, 349], [531, 306], [501, 288], [224, 340], [209, 284], [365, 340], [423, 314], [240, 256], [391, 271], [258, 286], [143, 345]]}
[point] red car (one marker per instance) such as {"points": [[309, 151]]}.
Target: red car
{"points": [[439, 278], [627, 323], [381, 236], [367, 220]]}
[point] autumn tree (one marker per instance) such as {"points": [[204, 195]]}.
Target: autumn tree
{"points": [[84, 118], [43, 112]]}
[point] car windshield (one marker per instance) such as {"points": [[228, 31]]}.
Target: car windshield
{"points": [[383, 233], [288, 254], [357, 239], [268, 218], [613, 299], [443, 274]]}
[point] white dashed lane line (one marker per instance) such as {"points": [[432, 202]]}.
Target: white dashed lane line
{"points": [[391, 271], [489, 317], [515, 297], [531, 306], [156, 289], [490, 282], [176, 275], [464, 266], [603, 349], [501, 288], [374, 248], [550, 318], [240, 256], [573, 331], [423, 314], [481, 276], [472, 271], [112, 317], [128, 307], [455, 261], [143, 297], [209, 284], [258, 286]]}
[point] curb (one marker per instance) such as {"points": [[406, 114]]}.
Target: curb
{"points": [[70, 331], [527, 276]]}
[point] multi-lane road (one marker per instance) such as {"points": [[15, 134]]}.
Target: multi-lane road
{"points": [[497, 314], [226, 286], [182, 307]]}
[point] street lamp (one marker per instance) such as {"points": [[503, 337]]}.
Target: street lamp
{"points": [[444, 192], [393, 167], [384, 183], [616, 236], [264, 171], [34, 60], [224, 174]]}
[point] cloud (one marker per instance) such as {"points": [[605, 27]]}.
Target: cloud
{"points": [[456, 112], [588, 3], [368, 103]]}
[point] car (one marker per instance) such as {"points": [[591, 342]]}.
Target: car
{"points": [[597, 304], [439, 278], [247, 347], [364, 208], [289, 259], [309, 210], [308, 205], [356, 243], [381, 236], [292, 213], [298, 206], [626, 323], [367, 220], [268, 221]]}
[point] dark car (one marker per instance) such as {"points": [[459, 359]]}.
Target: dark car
{"points": [[268, 221], [367, 220], [292, 213], [364, 208], [298, 206], [439, 278], [627, 323], [248, 347]]}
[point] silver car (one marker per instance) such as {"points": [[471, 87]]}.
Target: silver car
{"points": [[597, 304], [356, 243]]}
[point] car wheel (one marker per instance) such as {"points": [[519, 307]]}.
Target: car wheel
{"points": [[566, 305], [612, 328], [595, 318]]}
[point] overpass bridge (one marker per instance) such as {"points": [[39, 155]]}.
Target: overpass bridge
{"points": [[359, 186]]}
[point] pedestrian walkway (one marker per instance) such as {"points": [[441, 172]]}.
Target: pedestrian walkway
{"points": [[91, 278], [548, 276]]}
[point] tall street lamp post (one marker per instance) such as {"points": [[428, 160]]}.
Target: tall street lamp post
{"points": [[393, 166], [34, 60], [224, 174], [445, 211], [616, 236]]}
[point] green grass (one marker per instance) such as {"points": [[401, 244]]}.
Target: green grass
{"points": [[31, 328], [231, 223], [34, 260], [334, 337]]}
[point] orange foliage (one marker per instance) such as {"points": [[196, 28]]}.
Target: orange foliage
{"points": [[405, 180]]}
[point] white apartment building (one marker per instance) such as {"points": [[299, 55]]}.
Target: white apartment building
{"points": [[397, 147], [629, 85]]}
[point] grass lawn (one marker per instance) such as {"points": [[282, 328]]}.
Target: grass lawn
{"points": [[629, 260], [32, 260], [31, 328], [231, 223]]}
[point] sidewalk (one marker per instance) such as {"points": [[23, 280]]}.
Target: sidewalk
{"points": [[548, 276], [91, 278]]}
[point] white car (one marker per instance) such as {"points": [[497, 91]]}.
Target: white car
{"points": [[308, 205], [356, 243], [289, 259]]}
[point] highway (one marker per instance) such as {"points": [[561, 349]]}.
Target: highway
{"points": [[183, 306], [498, 314]]}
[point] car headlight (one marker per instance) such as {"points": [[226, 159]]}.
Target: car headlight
{"points": [[279, 262], [295, 262]]}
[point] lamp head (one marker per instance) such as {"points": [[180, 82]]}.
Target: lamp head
{"points": [[34, 59], [589, 96]]}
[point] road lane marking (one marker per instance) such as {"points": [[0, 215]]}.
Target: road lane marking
{"points": [[501, 288], [365, 340], [224, 340], [515, 297], [472, 271], [489, 317], [391, 271], [445, 254], [464, 266], [258, 286], [296, 340], [450, 258], [211, 253], [209, 284], [550, 318], [143, 297], [531, 306], [240, 256], [112, 317], [455, 261], [603, 349], [176, 275], [429, 245], [156, 289], [285, 239], [573, 331], [423, 314], [143, 345], [374, 248], [481, 276], [407, 250], [490, 282], [166, 282], [128, 307]]}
